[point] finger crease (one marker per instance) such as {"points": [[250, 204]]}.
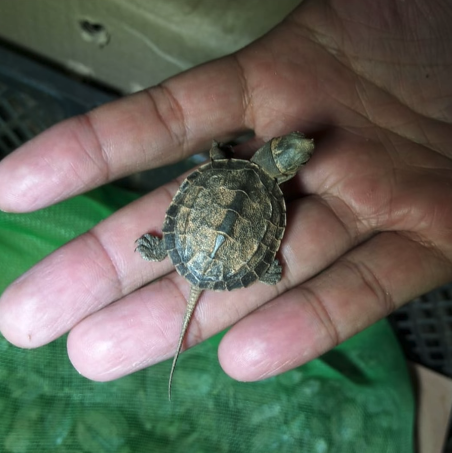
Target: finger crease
{"points": [[428, 245], [376, 287], [353, 233], [323, 314], [117, 278], [248, 116], [101, 161], [180, 138]]}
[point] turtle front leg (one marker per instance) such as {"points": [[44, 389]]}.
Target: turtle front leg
{"points": [[218, 151], [273, 274], [151, 248]]}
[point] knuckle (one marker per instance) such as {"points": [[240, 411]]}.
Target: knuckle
{"points": [[374, 285], [170, 113], [320, 308]]}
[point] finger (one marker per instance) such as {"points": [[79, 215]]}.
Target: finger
{"points": [[100, 267], [145, 130], [84, 275], [359, 289], [143, 328]]}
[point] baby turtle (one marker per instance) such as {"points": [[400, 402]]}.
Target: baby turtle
{"points": [[225, 224]]}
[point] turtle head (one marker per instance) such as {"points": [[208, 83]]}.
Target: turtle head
{"points": [[281, 157]]}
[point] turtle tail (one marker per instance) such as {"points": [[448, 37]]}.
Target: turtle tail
{"points": [[191, 304]]}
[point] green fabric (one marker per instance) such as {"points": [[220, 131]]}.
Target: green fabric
{"points": [[356, 398]]}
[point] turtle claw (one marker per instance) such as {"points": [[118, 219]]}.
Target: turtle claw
{"points": [[151, 248]]}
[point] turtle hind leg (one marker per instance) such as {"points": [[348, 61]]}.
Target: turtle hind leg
{"points": [[273, 274], [151, 248]]}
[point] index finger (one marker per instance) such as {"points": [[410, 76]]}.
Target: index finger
{"points": [[151, 128]]}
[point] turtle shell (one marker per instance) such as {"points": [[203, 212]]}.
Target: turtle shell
{"points": [[225, 225]]}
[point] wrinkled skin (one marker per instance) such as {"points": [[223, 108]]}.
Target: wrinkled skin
{"points": [[369, 218]]}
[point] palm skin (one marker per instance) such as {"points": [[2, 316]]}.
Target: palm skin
{"points": [[369, 218]]}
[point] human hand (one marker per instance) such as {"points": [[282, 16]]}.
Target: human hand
{"points": [[369, 218]]}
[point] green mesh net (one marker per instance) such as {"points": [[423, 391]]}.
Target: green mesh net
{"points": [[356, 398]]}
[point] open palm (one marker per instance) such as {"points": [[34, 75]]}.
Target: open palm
{"points": [[369, 218]]}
